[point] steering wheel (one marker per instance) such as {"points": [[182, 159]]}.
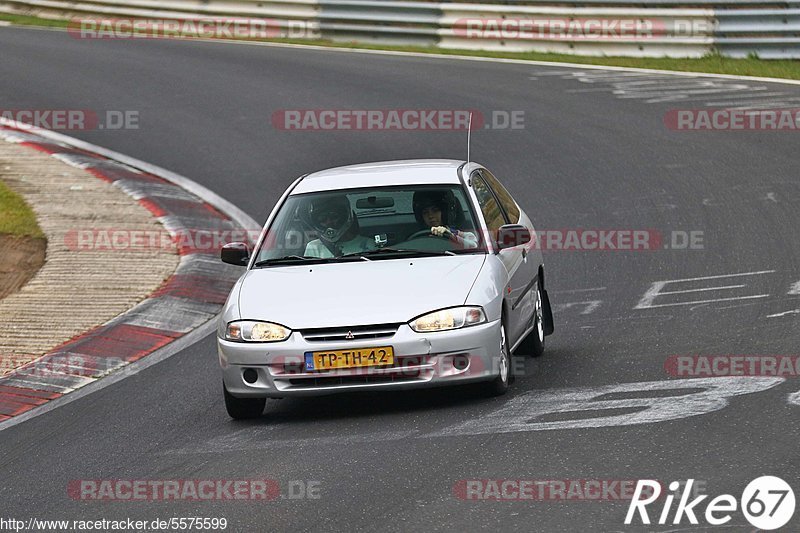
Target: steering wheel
{"points": [[422, 233]]}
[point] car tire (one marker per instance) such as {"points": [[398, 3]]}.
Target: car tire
{"points": [[243, 408], [533, 344], [499, 385]]}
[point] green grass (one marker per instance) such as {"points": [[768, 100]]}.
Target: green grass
{"points": [[713, 63], [16, 217], [24, 20]]}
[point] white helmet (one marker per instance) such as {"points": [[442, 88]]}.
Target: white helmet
{"points": [[330, 216]]}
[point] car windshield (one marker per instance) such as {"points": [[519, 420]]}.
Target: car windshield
{"points": [[375, 223]]}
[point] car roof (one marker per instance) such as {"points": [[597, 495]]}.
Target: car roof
{"points": [[382, 174]]}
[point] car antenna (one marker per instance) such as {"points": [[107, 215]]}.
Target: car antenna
{"points": [[469, 140], [469, 134]]}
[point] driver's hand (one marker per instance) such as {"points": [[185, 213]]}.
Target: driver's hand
{"points": [[440, 231]]}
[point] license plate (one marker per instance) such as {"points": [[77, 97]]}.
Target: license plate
{"points": [[354, 358]]}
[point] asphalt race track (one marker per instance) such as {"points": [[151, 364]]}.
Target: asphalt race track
{"points": [[594, 153]]}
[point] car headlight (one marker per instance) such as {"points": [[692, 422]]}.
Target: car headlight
{"points": [[252, 331], [444, 319]]}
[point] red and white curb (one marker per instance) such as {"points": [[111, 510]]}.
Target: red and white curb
{"points": [[180, 312]]}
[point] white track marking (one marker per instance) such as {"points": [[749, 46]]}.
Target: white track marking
{"points": [[679, 88], [795, 288], [602, 76], [682, 97], [732, 104], [720, 276], [640, 401], [581, 91], [734, 306], [703, 98], [590, 306], [743, 97], [794, 398], [651, 80], [654, 89], [734, 298], [785, 313], [764, 106], [627, 90], [645, 403], [587, 290], [703, 289], [655, 290]]}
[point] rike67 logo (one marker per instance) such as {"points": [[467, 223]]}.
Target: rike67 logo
{"points": [[767, 503]]}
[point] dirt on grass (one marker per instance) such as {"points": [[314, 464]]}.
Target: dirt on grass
{"points": [[20, 259]]}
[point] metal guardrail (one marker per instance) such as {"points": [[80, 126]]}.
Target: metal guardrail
{"points": [[660, 31], [677, 28]]}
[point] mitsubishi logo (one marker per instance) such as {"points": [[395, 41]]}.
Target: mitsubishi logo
{"points": [[349, 335]]}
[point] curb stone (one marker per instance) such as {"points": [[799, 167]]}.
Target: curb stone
{"points": [[187, 301]]}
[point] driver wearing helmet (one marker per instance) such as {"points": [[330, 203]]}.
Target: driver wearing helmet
{"points": [[332, 218], [439, 210]]}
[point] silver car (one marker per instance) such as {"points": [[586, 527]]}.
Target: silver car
{"points": [[378, 276]]}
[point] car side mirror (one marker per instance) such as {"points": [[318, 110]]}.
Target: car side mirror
{"points": [[511, 235], [235, 253]]}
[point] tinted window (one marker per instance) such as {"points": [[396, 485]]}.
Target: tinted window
{"points": [[505, 198], [491, 210]]}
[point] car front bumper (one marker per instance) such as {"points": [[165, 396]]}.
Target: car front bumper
{"points": [[421, 360]]}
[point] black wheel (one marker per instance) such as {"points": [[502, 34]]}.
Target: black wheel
{"points": [[499, 385], [533, 344], [243, 408]]}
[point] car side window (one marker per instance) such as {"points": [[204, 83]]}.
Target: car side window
{"points": [[503, 195], [491, 209]]}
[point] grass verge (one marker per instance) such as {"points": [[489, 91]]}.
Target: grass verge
{"points": [[16, 217]]}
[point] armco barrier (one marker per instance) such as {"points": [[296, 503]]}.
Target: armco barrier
{"points": [[769, 29], [678, 32]]}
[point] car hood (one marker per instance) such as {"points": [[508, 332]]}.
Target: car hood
{"points": [[347, 294]]}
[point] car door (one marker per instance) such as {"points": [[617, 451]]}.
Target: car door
{"points": [[514, 259], [531, 258]]}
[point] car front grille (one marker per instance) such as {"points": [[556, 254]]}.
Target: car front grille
{"points": [[353, 333]]}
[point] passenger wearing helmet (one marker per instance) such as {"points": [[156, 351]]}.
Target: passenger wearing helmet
{"points": [[332, 218], [440, 211]]}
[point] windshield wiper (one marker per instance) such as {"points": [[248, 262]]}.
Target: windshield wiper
{"points": [[363, 256], [297, 259], [396, 251], [288, 259]]}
